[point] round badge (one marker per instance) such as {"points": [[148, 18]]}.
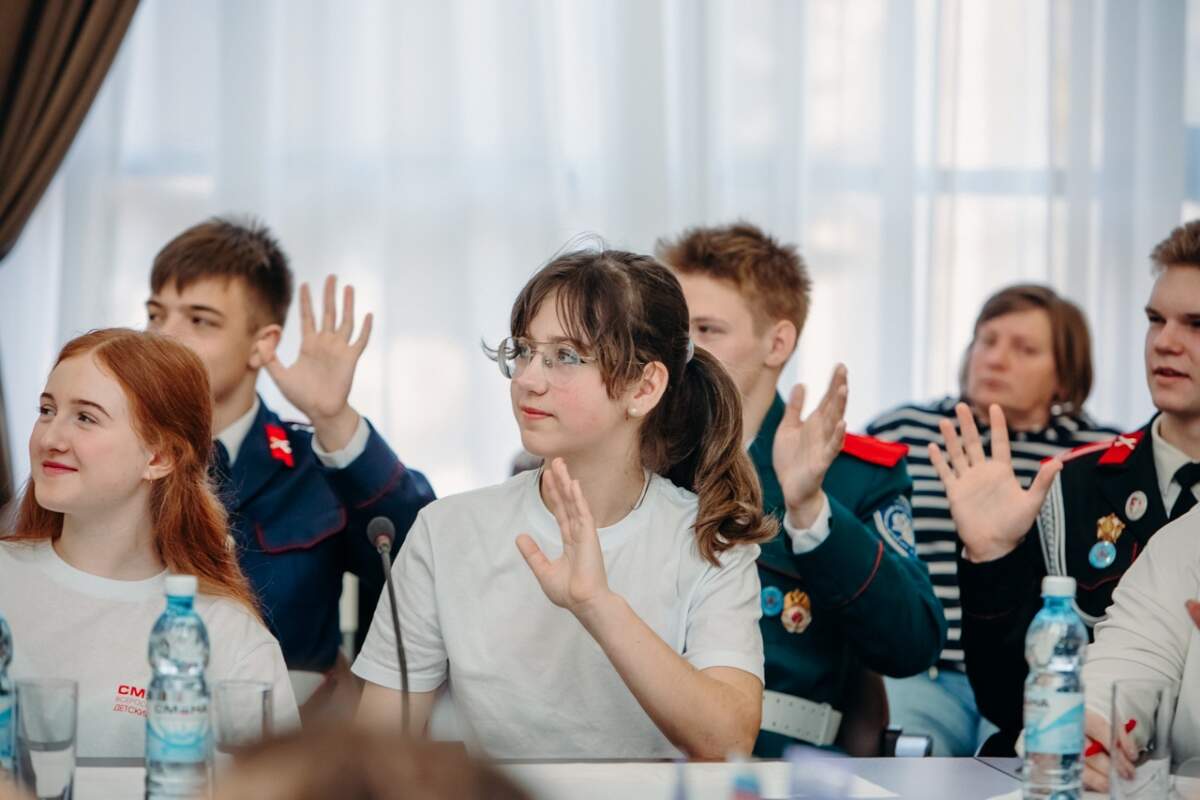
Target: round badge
{"points": [[772, 601], [1102, 555], [796, 619], [1135, 506]]}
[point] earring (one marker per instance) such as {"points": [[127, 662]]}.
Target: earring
{"points": [[633, 412]]}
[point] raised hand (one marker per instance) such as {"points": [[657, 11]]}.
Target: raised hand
{"points": [[319, 381], [991, 511], [577, 578], [804, 448]]}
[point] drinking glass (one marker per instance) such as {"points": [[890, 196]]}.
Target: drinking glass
{"points": [[47, 712], [1140, 739]]}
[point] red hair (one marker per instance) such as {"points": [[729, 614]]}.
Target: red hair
{"points": [[168, 393]]}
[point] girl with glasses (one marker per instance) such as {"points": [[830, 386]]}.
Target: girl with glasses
{"points": [[607, 605]]}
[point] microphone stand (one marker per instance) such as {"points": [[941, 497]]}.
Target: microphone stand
{"points": [[384, 548]]}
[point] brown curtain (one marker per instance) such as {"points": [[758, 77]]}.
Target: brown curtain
{"points": [[7, 486], [54, 55]]}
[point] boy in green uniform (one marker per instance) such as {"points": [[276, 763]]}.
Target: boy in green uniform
{"points": [[842, 588]]}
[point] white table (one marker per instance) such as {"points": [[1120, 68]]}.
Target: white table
{"points": [[906, 778]]}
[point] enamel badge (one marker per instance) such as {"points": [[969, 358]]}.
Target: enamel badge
{"points": [[1135, 506], [772, 601], [797, 612], [1104, 552], [281, 448]]}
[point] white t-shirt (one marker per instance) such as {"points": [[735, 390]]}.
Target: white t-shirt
{"points": [[67, 623], [1148, 634], [527, 680]]}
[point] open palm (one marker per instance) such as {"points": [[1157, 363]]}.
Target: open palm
{"points": [[319, 381], [991, 511], [577, 577], [804, 448]]}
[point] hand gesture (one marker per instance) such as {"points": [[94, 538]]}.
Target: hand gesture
{"points": [[577, 578], [804, 448], [990, 509], [318, 383], [1096, 762], [1101, 757]]}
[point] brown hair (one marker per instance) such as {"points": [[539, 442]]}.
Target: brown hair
{"points": [[1181, 248], [167, 389], [1070, 341], [771, 276], [627, 311], [351, 763], [230, 249]]}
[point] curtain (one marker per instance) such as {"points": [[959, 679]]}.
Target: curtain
{"points": [[922, 153], [53, 58]]}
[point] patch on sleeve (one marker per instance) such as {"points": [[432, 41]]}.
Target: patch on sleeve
{"points": [[895, 525]]}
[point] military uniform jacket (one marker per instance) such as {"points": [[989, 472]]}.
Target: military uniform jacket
{"points": [[872, 603], [299, 526], [1001, 597]]}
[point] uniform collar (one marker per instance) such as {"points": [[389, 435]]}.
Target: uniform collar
{"points": [[764, 441], [761, 455], [255, 467], [235, 434], [1167, 458]]}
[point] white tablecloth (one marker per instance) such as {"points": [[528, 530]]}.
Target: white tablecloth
{"points": [[590, 781]]}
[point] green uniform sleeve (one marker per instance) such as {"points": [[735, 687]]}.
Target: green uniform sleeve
{"points": [[868, 574]]}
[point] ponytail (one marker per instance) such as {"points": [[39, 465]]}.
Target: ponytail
{"points": [[695, 433]]}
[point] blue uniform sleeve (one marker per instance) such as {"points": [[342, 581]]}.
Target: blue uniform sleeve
{"points": [[867, 572]]}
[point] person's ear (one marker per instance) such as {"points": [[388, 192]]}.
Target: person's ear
{"points": [[647, 390], [159, 466], [781, 342], [266, 339]]}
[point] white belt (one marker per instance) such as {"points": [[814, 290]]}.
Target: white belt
{"points": [[816, 723]]}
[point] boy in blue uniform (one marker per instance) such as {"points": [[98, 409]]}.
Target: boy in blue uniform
{"points": [[299, 496], [842, 590]]}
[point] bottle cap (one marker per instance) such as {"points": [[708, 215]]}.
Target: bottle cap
{"points": [[1058, 586], [181, 586]]}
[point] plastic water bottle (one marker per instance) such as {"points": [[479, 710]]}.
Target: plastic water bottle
{"points": [[745, 780], [7, 731], [816, 774], [1054, 696], [178, 741]]}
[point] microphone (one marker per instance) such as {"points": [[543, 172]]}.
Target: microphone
{"points": [[381, 533]]}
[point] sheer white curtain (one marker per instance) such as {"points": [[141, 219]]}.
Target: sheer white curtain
{"points": [[921, 152]]}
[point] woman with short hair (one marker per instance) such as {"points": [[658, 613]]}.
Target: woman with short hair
{"points": [[1031, 355]]}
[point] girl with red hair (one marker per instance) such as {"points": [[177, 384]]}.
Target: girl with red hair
{"points": [[118, 497]]}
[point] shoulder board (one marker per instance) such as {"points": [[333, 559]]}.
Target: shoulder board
{"points": [[1081, 450], [874, 451], [1122, 447]]}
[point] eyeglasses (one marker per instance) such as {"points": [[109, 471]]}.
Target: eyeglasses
{"points": [[560, 362]]}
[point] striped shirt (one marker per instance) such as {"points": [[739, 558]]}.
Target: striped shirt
{"points": [[937, 541]]}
